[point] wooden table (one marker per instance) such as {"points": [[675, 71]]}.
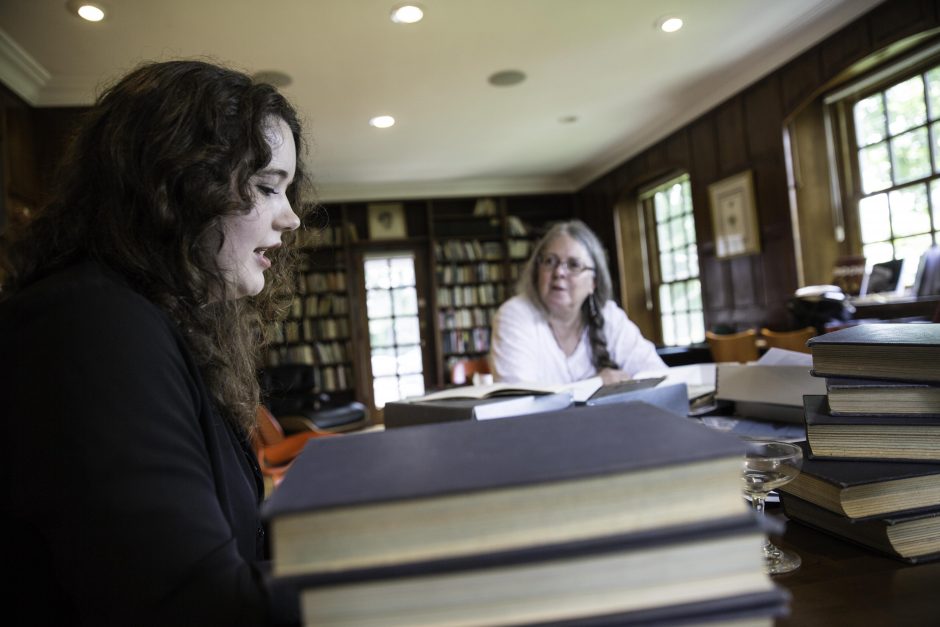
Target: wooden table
{"points": [[842, 584]]}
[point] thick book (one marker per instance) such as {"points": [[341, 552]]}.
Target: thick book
{"points": [[907, 437], [912, 537], [406, 414], [859, 489], [900, 351], [870, 397], [455, 489], [616, 581], [767, 392], [579, 390]]}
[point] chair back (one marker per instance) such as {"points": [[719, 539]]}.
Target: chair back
{"points": [[739, 347], [462, 371], [789, 340]]}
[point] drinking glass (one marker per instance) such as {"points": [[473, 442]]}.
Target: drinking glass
{"points": [[767, 466]]}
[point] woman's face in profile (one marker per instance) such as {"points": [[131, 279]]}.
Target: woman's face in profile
{"points": [[561, 290], [250, 236]]}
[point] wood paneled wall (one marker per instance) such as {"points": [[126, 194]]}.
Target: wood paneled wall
{"points": [[744, 132]]}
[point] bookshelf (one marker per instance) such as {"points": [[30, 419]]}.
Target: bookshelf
{"points": [[468, 255]]}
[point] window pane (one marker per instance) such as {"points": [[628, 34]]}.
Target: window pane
{"points": [[693, 260], [935, 138], [406, 301], [376, 273], [911, 156], [682, 264], [935, 201], [409, 360], [380, 332], [664, 237], [910, 249], [697, 327], [412, 385], [680, 300], [669, 330], [874, 218], [906, 105], [870, 120], [665, 300], [661, 202], [675, 201], [402, 272], [909, 211], [876, 253], [385, 390], [875, 167], [695, 295], [383, 362], [677, 228], [406, 330], [933, 93], [682, 329], [378, 303], [667, 268]]}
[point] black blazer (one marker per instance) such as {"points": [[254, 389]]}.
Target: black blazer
{"points": [[128, 500]]}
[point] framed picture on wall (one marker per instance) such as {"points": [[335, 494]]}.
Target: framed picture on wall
{"points": [[387, 221], [734, 216]]}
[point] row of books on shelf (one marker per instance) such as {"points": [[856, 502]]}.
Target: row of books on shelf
{"points": [[486, 523], [468, 250], [333, 235], [311, 354], [311, 330], [871, 473], [467, 318], [475, 340], [471, 295], [328, 304], [475, 273], [520, 248], [314, 282]]}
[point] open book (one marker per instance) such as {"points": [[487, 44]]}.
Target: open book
{"points": [[579, 390]]}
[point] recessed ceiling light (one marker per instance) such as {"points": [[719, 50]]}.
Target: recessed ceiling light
{"points": [[382, 121], [90, 11], [407, 13], [670, 24], [506, 78]]}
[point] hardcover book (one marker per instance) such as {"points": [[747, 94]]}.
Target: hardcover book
{"points": [[457, 489], [859, 489], [405, 414], [905, 352], [887, 437], [867, 397], [616, 581], [913, 537]]}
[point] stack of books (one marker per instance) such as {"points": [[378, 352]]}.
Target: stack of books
{"points": [[872, 469], [612, 514]]}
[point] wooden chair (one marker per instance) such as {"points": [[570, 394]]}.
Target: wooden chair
{"points": [[461, 372], [274, 449], [789, 340], [733, 346]]}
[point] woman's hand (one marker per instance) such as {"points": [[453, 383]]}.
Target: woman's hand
{"points": [[609, 375]]}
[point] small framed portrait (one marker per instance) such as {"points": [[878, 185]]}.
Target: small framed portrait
{"points": [[734, 216], [387, 221]]}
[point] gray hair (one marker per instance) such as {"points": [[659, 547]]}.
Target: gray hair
{"points": [[528, 282]]}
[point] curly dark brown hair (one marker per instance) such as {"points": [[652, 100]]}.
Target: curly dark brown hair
{"points": [[160, 159]]}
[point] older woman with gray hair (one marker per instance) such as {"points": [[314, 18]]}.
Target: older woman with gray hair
{"points": [[562, 325]]}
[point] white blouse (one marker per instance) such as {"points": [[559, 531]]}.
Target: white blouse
{"points": [[523, 348]]}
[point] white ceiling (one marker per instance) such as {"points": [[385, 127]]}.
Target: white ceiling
{"points": [[603, 61]]}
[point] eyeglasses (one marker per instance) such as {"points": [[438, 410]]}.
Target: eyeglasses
{"points": [[573, 266]]}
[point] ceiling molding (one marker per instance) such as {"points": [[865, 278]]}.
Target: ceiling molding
{"points": [[444, 189], [21, 72]]}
